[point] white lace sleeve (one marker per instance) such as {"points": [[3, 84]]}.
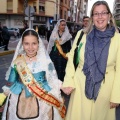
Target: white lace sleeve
{"points": [[53, 81]]}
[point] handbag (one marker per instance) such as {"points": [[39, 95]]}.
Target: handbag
{"points": [[76, 51]]}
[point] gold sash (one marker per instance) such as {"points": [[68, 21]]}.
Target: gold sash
{"points": [[35, 88]]}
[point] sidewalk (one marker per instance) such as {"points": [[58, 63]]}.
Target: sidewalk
{"points": [[12, 47], [10, 51]]}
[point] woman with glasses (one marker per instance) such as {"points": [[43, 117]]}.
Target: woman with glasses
{"points": [[95, 84]]}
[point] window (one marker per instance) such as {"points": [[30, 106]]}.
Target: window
{"points": [[65, 15], [35, 8], [42, 19], [10, 5], [42, 8], [65, 1], [61, 13]]}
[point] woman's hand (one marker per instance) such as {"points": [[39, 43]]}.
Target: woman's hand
{"points": [[113, 105], [1, 108], [67, 90]]}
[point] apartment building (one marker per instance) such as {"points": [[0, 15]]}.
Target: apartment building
{"points": [[64, 9], [12, 12], [78, 9], [82, 9], [116, 9]]}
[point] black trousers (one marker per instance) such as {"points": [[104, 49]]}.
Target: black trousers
{"points": [[118, 113], [6, 42]]}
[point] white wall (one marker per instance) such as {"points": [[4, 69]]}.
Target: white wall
{"points": [[14, 21]]}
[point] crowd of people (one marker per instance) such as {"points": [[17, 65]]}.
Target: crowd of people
{"points": [[85, 72]]}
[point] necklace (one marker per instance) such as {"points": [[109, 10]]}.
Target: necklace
{"points": [[30, 57]]}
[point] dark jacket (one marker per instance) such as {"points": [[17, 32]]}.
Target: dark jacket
{"points": [[5, 33]]}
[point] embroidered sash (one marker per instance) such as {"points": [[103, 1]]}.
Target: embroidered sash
{"points": [[35, 88]]}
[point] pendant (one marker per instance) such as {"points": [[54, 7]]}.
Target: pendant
{"points": [[30, 59]]}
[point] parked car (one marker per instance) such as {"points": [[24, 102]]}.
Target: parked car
{"points": [[14, 32]]}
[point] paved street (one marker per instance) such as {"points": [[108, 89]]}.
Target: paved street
{"points": [[5, 60], [4, 64]]}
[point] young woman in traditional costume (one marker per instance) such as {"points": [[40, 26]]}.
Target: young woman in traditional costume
{"points": [[35, 91]]}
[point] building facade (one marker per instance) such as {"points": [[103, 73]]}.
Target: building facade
{"points": [[82, 6], [78, 9], [116, 10], [12, 12], [64, 9]]}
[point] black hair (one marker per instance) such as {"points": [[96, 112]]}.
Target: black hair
{"points": [[62, 20], [30, 32], [85, 17]]}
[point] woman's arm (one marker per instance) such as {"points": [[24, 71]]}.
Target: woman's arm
{"points": [[68, 84], [115, 95], [13, 75]]}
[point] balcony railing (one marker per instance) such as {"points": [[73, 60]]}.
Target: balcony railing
{"points": [[9, 11], [117, 13], [42, 13]]}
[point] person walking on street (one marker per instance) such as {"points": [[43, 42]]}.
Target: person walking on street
{"points": [[6, 37], [93, 75], [85, 22], [1, 38]]}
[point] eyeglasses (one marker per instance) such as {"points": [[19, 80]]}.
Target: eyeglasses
{"points": [[101, 14], [85, 20]]}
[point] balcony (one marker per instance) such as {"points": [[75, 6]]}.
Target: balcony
{"points": [[9, 11], [41, 13], [20, 11], [117, 18], [117, 13], [117, 8], [28, 0]]}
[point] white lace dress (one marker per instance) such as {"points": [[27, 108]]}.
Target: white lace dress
{"points": [[44, 110]]}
